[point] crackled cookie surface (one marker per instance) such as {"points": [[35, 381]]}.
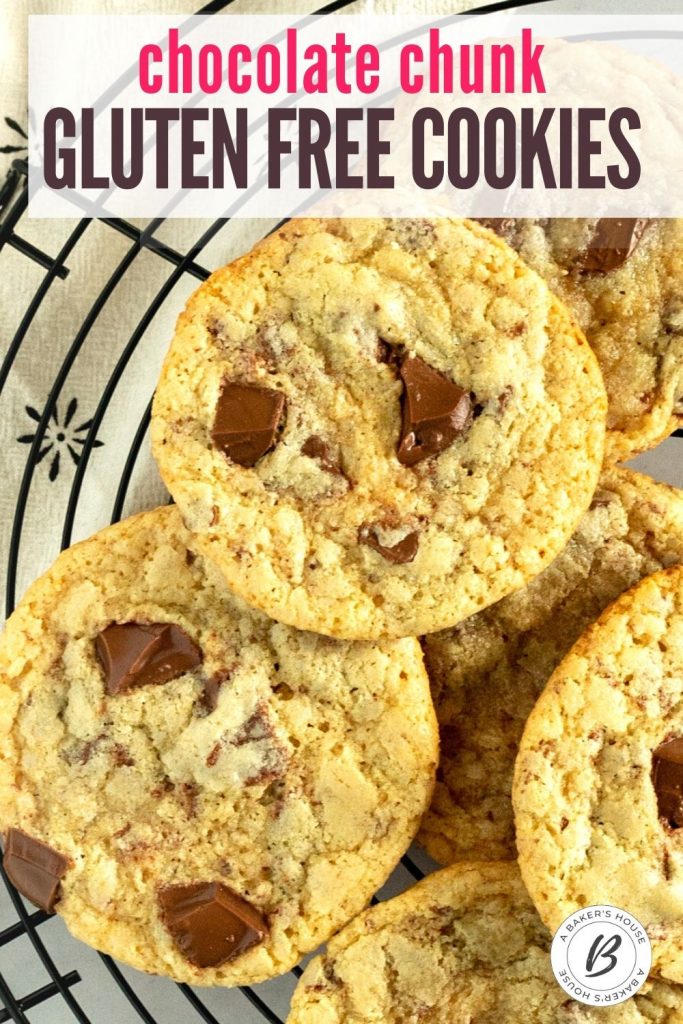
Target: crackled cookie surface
{"points": [[488, 671], [598, 786], [623, 280], [376, 428], [198, 790], [464, 945]]}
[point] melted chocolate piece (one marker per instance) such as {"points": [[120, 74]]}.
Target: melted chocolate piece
{"points": [[212, 687], [613, 241], [247, 421], [136, 654], [399, 554], [384, 351], [391, 355], [667, 778], [34, 868], [435, 412], [315, 448], [210, 923]]}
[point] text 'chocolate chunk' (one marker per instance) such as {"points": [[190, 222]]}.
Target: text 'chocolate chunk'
{"points": [[613, 241], [667, 778], [34, 868], [210, 923], [247, 421], [401, 553], [435, 411], [135, 654]]}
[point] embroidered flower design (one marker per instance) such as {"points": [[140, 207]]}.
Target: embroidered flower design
{"points": [[18, 130], [60, 437]]}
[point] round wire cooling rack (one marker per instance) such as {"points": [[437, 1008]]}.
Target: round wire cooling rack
{"points": [[46, 977]]}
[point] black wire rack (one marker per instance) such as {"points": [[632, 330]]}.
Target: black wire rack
{"points": [[120, 991]]}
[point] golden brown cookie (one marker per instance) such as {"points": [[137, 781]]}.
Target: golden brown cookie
{"points": [[598, 786], [197, 790], [465, 946], [623, 280], [488, 671], [376, 428]]}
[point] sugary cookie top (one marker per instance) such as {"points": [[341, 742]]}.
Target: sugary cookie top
{"points": [[376, 428], [177, 770], [623, 280], [487, 672], [598, 782], [464, 945]]}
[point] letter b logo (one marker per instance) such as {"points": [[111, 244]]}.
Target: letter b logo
{"points": [[601, 954]]}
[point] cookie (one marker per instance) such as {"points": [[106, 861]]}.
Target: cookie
{"points": [[464, 945], [623, 280], [376, 428], [598, 779], [488, 671], [197, 790]]}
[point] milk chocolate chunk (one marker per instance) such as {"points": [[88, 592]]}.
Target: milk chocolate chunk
{"points": [[613, 241], [315, 448], [135, 654], [212, 689], [667, 778], [247, 421], [34, 868], [210, 923], [435, 411], [389, 354], [399, 554]]}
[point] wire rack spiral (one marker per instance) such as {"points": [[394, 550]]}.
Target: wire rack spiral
{"points": [[47, 987]]}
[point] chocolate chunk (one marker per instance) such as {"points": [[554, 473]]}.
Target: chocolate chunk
{"points": [[121, 757], [247, 421], [210, 923], [435, 411], [613, 241], [257, 727], [134, 654], [384, 351], [667, 778], [401, 553], [315, 448], [34, 868], [389, 354], [212, 687]]}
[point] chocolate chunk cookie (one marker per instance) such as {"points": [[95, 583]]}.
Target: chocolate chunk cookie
{"points": [[197, 790], [376, 431], [463, 946], [623, 280], [599, 780], [488, 672]]}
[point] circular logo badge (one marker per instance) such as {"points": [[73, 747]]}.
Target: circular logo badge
{"points": [[601, 955]]}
